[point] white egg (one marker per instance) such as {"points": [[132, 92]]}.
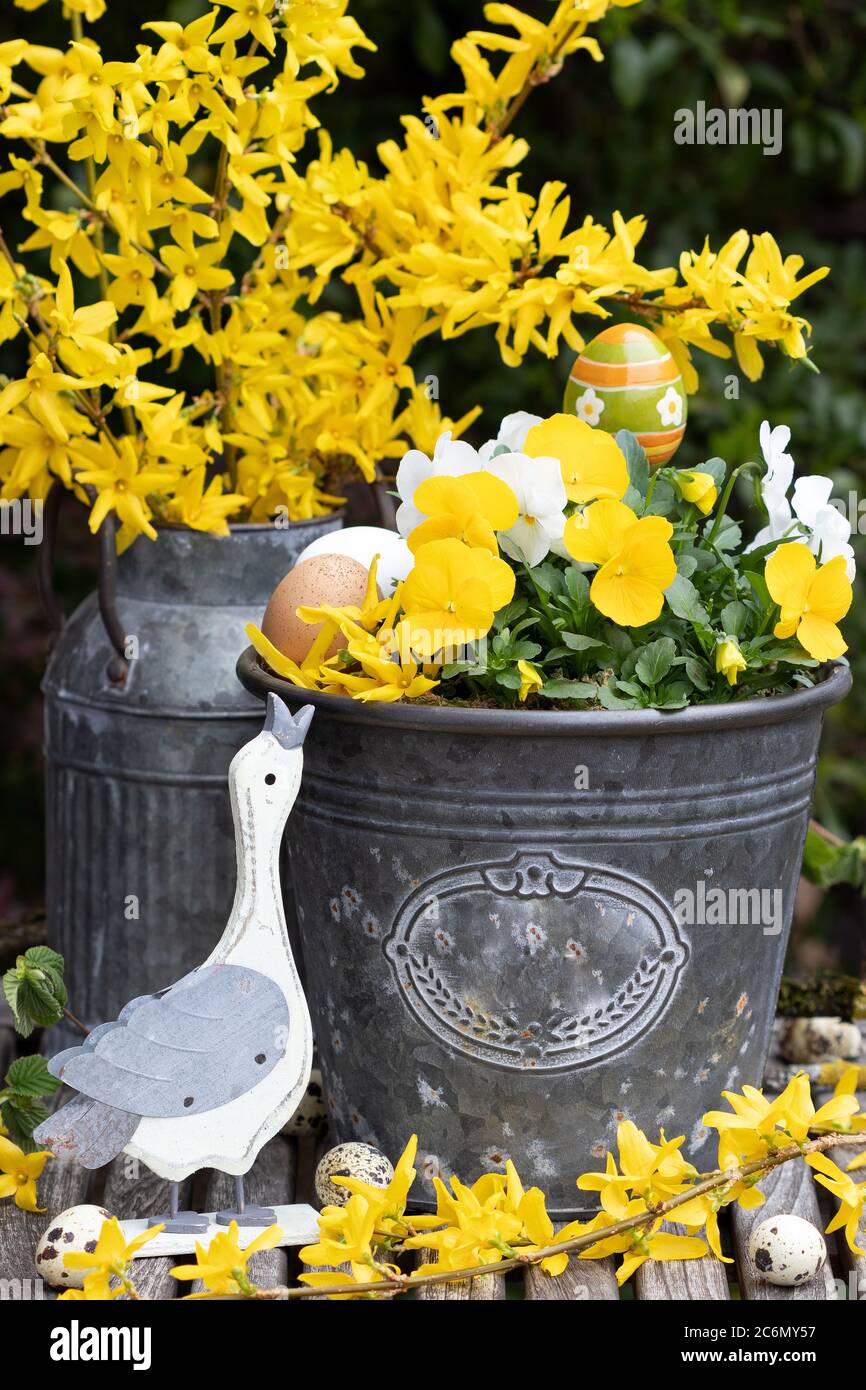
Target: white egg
{"points": [[76, 1229], [352, 1160], [361, 543], [787, 1250]]}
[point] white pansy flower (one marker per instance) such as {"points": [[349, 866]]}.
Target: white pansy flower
{"points": [[670, 407], [829, 530], [775, 483], [541, 498], [451, 459], [512, 434], [588, 406]]}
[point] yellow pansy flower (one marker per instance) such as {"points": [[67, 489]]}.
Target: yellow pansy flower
{"points": [[592, 463], [18, 1174], [471, 508], [530, 679], [729, 659], [636, 562], [699, 488], [813, 599], [452, 593]]}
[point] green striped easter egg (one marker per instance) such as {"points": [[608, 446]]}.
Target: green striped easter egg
{"points": [[626, 379]]}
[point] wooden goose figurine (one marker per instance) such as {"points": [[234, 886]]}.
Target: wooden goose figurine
{"points": [[203, 1074]]}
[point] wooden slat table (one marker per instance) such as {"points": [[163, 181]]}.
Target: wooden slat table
{"points": [[284, 1173]]}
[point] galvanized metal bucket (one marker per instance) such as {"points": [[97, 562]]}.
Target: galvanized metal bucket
{"points": [[143, 715], [511, 936]]}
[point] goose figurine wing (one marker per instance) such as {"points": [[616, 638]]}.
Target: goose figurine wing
{"points": [[203, 1073], [210, 1038]]}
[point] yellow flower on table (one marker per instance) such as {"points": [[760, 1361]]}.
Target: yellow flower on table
{"points": [[729, 659], [222, 1266], [18, 1174], [636, 563], [452, 594], [850, 1194], [592, 463], [110, 1260], [813, 599], [471, 508]]}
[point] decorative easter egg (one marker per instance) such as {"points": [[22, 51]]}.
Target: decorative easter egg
{"points": [[626, 379], [787, 1250], [76, 1229], [336, 580], [350, 1161], [361, 543], [311, 1116], [820, 1040]]}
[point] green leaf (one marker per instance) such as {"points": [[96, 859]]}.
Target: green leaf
{"points": [[655, 661], [509, 679], [636, 461], [569, 690], [609, 700], [735, 618], [21, 1115], [697, 673], [29, 1076], [759, 584], [548, 578], [729, 535], [664, 499], [825, 863], [579, 642], [577, 586], [684, 600]]}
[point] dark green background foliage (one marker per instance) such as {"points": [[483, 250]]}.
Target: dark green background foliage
{"points": [[607, 131]]}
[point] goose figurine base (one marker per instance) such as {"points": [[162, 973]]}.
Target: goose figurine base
{"points": [[203, 1074]]}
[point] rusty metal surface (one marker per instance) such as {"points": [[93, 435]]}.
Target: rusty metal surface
{"points": [[493, 952]]}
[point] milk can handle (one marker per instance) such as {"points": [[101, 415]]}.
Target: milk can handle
{"points": [[107, 582]]}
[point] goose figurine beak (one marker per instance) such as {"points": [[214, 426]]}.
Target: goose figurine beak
{"points": [[288, 731]]}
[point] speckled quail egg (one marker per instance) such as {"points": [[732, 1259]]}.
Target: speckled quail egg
{"points": [[787, 1250], [820, 1040], [76, 1229], [350, 1161], [311, 1116]]}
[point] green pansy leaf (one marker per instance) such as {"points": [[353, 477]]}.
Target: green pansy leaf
{"points": [[569, 690], [759, 584], [577, 586], [697, 673], [735, 618], [684, 600], [655, 661], [664, 499], [548, 578], [636, 462], [609, 700], [579, 642], [509, 679]]}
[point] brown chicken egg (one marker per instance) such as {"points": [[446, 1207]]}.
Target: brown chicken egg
{"points": [[333, 579]]}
